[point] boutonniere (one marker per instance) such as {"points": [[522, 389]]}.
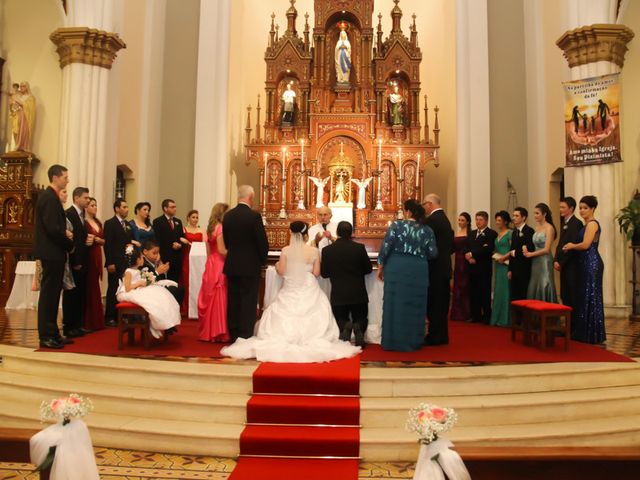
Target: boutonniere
{"points": [[127, 227], [565, 227]]}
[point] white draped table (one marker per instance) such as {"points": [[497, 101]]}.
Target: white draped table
{"points": [[22, 297], [375, 290], [197, 262]]}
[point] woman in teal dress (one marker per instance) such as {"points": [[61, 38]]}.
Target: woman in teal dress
{"points": [[402, 265], [501, 308], [541, 283]]}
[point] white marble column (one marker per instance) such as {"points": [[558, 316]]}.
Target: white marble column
{"points": [[603, 181], [211, 163], [472, 96], [89, 26]]}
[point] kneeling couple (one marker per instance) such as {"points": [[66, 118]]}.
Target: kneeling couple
{"points": [[299, 326]]}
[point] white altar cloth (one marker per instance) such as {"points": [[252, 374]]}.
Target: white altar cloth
{"points": [[197, 262], [22, 297]]}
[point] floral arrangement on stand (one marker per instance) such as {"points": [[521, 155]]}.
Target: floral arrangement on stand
{"points": [[436, 457], [65, 447], [148, 276]]}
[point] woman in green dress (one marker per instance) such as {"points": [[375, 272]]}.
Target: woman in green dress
{"points": [[501, 308]]}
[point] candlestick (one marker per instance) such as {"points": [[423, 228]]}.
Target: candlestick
{"points": [[284, 159], [301, 195], [302, 153], [417, 175], [379, 201], [400, 162]]}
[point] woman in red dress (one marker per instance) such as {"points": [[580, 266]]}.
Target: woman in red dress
{"points": [[212, 301], [461, 301], [192, 233], [93, 310]]}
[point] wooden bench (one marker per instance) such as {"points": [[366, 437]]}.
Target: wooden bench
{"points": [[14, 447], [132, 317], [544, 320]]}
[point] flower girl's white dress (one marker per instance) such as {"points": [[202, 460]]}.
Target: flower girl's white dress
{"points": [[298, 326], [163, 310]]}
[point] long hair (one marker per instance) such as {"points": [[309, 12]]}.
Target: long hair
{"points": [[546, 211], [217, 212], [137, 208]]}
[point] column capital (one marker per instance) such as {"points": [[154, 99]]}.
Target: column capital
{"points": [[86, 45], [595, 43]]}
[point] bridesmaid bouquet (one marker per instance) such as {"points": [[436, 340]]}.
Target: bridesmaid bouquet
{"points": [[148, 276], [65, 408], [429, 420]]}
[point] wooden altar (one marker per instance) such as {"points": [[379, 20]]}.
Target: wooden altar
{"points": [[342, 122], [18, 197]]}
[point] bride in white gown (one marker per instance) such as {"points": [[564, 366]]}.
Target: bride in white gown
{"points": [[298, 326]]}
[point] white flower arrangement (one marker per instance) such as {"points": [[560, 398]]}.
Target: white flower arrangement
{"points": [[65, 408], [148, 276], [429, 420]]}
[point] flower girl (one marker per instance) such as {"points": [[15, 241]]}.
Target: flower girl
{"points": [[141, 288]]}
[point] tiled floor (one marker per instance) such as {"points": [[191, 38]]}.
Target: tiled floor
{"points": [[132, 465]]}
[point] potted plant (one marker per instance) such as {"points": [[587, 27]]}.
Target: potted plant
{"points": [[629, 220]]}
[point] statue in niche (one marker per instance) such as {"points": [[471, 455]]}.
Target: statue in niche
{"points": [[13, 213], [362, 188], [343, 57], [22, 111], [319, 183], [396, 107], [288, 105]]}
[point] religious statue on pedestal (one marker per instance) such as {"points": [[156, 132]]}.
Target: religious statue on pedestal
{"points": [[343, 57], [396, 107], [339, 190], [319, 183], [362, 187], [289, 105], [22, 111]]}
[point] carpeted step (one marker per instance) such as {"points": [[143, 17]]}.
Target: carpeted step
{"points": [[340, 377], [300, 441], [294, 469], [303, 410]]}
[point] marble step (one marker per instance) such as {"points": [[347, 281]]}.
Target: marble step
{"points": [[498, 379], [397, 444], [511, 409], [141, 402]]}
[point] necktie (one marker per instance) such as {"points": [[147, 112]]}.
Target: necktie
{"points": [[171, 223]]}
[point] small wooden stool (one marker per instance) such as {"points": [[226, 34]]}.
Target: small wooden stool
{"points": [[543, 318], [131, 317]]}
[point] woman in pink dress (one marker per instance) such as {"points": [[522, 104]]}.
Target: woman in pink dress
{"points": [[93, 310], [212, 301], [193, 233]]}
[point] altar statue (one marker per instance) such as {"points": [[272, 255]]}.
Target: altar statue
{"points": [[343, 58], [339, 191], [289, 105], [319, 183], [22, 110], [362, 187], [396, 107]]}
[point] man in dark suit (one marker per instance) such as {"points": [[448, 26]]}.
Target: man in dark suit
{"points": [[117, 235], [73, 300], [566, 262], [247, 249], [151, 257], [170, 236], [439, 272], [52, 242], [519, 265], [480, 246], [345, 263]]}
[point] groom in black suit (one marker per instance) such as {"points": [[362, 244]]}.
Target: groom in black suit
{"points": [[439, 272], [170, 236], [519, 265], [345, 263], [247, 250], [480, 246], [117, 235], [567, 262], [52, 242]]}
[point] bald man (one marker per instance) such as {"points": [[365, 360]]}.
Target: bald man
{"points": [[324, 232], [439, 272]]}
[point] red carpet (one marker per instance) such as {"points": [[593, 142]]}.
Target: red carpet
{"points": [[471, 342], [301, 410]]}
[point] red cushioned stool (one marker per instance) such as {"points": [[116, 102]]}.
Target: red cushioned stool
{"points": [[545, 319], [131, 317]]}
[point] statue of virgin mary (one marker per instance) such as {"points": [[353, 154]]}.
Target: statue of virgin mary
{"points": [[343, 58]]}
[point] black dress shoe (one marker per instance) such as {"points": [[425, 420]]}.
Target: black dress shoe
{"points": [[85, 331], [74, 333], [51, 343], [359, 334], [345, 334], [111, 323], [432, 342], [64, 341]]}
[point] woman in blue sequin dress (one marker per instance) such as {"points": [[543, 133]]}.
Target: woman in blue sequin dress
{"points": [[588, 316], [402, 264]]}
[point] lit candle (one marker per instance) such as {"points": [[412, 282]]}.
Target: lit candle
{"points": [[400, 161], [379, 166], [302, 153], [284, 158], [418, 174]]}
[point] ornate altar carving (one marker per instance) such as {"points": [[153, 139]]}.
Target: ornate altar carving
{"points": [[18, 196], [355, 116]]}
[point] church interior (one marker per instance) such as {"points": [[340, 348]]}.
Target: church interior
{"points": [[354, 105]]}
